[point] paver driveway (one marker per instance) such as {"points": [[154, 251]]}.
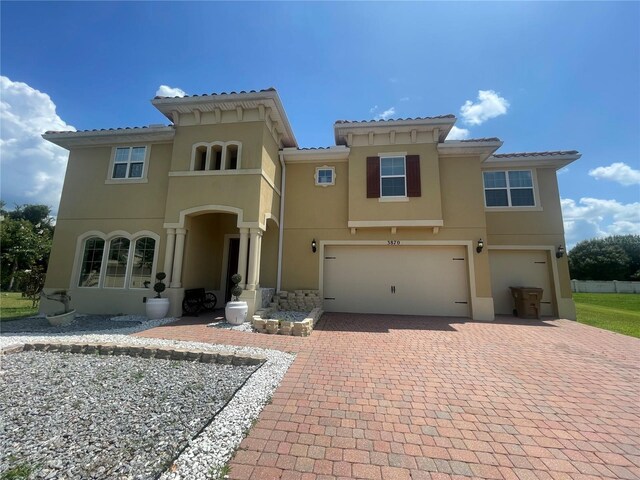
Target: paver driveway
{"points": [[408, 397]]}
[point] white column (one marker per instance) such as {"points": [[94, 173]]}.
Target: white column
{"points": [[242, 255], [177, 258], [254, 255], [168, 252]]}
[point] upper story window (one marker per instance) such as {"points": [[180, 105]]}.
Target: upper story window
{"points": [[325, 176], [509, 188], [393, 181], [115, 264], [129, 162], [216, 156], [393, 176]]}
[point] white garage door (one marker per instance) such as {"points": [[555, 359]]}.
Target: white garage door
{"points": [[408, 280], [515, 268]]}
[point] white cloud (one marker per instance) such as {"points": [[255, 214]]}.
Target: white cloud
{"points": [[390, 112], [594, 217], [564, 170], [404, 99], [490, 105], [373, 109], [617, 172], [167, 91], [458, 133], [32, 168]]}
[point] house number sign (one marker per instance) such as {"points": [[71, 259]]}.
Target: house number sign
{"points": [[393, 242]]}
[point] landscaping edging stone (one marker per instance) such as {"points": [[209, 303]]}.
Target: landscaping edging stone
{"points": [[150, 351], [263, 324]]}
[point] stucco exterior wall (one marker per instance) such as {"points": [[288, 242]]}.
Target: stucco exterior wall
{"points": [[426, 207]]}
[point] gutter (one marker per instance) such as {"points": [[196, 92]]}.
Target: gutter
{"points": [[281, 226]]}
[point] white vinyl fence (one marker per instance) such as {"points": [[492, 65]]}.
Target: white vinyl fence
{"points": [[596, 286]]}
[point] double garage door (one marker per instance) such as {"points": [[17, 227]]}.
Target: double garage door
{"points": [[396, 279]]}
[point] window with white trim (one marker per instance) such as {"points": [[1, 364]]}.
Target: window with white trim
{"points": [[91, 262], [393, 178], [111, 264], [216, 156], [128, 162], [509, 188], [325, 176]]}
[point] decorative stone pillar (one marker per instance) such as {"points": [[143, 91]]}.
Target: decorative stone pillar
{"points": [[168, 252], [177, 258], [253, 276], [242, 255]]}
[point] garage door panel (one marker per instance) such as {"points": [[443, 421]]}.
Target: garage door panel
{"points": [[411, 280], [515, 268]]}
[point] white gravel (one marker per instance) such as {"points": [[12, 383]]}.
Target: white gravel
{"points": [[206, 454]]}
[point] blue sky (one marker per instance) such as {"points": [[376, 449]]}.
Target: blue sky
{"points": [[558, 76]]}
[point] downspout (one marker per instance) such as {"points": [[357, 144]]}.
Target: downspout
{"points": [[281, 219]]}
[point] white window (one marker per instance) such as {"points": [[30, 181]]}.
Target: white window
{"points": [[91, 262], [325, 176], [129, 162], [113, 264], [511, 188], [216, 156], [393, 178]]}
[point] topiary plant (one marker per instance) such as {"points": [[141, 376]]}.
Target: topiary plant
{"points": [[159, 286], [236, 290]]}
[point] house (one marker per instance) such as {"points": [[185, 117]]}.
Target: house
{"points": [[392, 219]]}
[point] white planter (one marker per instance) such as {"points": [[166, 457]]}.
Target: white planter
{"points": [[61, 319], [157, 308], [236, 312]]}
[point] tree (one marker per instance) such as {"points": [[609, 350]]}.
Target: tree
{"points": [[23, 243], [611, 258]]}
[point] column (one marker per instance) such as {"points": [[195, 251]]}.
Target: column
{"points": [[254, 254], [168, 252], [242, 255], [177, 258]]}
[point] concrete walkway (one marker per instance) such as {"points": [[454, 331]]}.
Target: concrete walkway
{"points": [[392, 397]]}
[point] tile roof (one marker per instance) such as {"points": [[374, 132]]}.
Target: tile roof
{"points": [[105, 129], [315, 148], [485, 139], [535, 154], [270, 89], [450, 115]]}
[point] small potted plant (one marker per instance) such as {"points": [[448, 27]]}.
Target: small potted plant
{"points": [[236, 311], [158, 307], [67, 315]]}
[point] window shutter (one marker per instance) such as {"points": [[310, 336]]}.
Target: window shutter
{"points": [[373, 177], [413, 176]]}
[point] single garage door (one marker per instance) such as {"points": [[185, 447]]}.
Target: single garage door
{"points": [[408, 280], [516, 268]]}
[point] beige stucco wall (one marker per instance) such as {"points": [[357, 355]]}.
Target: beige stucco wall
{"points": [[269, 256], [426, 207], [88, 203], [541, 228]]}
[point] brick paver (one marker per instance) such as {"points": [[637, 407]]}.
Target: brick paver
{"points": [[372, 396]]}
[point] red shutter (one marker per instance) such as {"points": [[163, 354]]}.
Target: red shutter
{"points": [[413, 176], [373, 177]]}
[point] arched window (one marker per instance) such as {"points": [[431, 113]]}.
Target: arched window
{"points": [[142, 262], [91, 262], [117, 260], [201, 158], [216, 157], [232, 157]]}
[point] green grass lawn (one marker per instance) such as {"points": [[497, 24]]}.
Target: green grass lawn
{"points": [[618, 312], [13, 307]]}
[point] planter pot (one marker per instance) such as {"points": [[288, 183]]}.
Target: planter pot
{"points": [[236, 312], [61, 319], [157, 308]]}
